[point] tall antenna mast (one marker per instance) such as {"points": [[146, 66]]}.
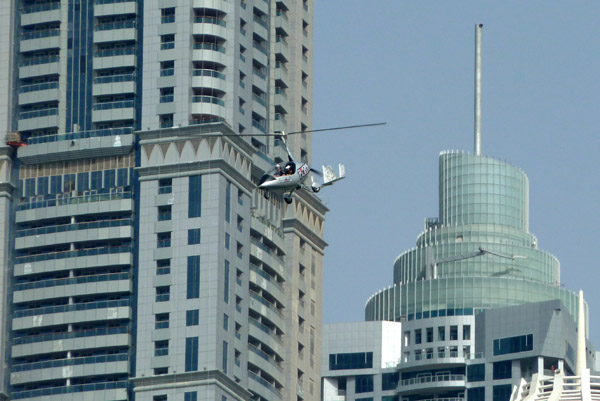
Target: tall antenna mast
{"points": [[478, 29]]}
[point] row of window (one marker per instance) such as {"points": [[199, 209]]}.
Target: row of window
{"points": [[57, 184], [441, 334]]}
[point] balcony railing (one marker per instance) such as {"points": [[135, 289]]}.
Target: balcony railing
{"points": [[432, 379], [73, 227], [38, 113], [38, 87], [122, 104], [115, 25], [57, 363], [210, 20], [40, 7], [207, 73], [78, 135], [71, 281], [40, 34], [208, 99], [70, 308], [70, 335], [209, 46], [114, 78], [38, 60]]}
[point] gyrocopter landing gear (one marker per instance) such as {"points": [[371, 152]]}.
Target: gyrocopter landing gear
{"points": [[288, 198]]}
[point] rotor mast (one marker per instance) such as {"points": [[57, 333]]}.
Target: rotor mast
{"points": [[478, 29]]}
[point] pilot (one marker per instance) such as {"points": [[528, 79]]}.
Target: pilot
{"points": [[288, 170], [278, 173]]}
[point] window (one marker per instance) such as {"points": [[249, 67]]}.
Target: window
{"points": [[161, 348], [429, 353], [363, 384], [164, 213], [195, 196], [167, 15], [476, 394], [355, 360], [167, 42], [406, 338], [193, 277], [167, 68], [226, 283], [192, 317], [109, 179], [165, 186], [162, 397], [502, 393], [511, 345], [418, 338], [194, 236], [165, 120], [502, 370], [163, 293], [163, 266], [466, 332], [227, 240], [163, 240], [225, 322], [453, 333], [161, 371], [228, 202], [476, 373], [190, 396], [441, 333], [161, 321], [225, 352], [429, 331], [166, 95], [121, 177], [389, 381], [191, 354]]}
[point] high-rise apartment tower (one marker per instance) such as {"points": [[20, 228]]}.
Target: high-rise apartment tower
{"points": [[139, 261]]}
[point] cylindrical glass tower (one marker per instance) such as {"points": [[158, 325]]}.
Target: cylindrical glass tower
{"points": [[478, 254]]}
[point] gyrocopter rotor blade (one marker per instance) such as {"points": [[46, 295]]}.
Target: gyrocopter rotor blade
{"points": [[279, 133]]}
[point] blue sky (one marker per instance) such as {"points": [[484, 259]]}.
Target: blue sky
{"points": [[411, 64]]}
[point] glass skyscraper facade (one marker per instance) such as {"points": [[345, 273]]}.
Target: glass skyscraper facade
{"points": [[478, 254], [139, 261]]}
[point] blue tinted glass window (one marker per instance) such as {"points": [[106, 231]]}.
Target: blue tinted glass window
{"points": [[227, 239], [355, 360], [191, 354], [109, 179], [193, 277], [225, 353], [389, 381], [226, 283], [502, 393], [476, 394], [55, 184], [190, 396], [502, 370], [192, 317], [194, 236], [195, 196], [96, 180], [83, 181], [42, 186], [228, 202], [121, 177], [363, 384], [69, 183], [511, 345], [30, 187], [476, 373]]}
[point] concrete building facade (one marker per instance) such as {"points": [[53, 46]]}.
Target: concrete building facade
{"points": [[140, 260]]}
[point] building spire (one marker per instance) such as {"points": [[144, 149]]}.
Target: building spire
{"points": [[580, 363], [478, 29]]}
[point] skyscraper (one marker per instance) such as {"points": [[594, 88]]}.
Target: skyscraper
{"points": [[140, 261]]}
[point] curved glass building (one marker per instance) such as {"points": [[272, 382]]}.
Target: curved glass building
{"points": [[479, 253]]}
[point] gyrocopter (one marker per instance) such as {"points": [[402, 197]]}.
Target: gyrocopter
{"points": [[290, 176]]}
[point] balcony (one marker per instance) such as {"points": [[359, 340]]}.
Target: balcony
{"points": [[36, 93], [115, 32], [437, 359], [114, 58], [38, 66], [202, 78], [431, 384], [103, 8], [40, 40], [40, 13], [38, 119], [210, 26], [209, 52]]}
